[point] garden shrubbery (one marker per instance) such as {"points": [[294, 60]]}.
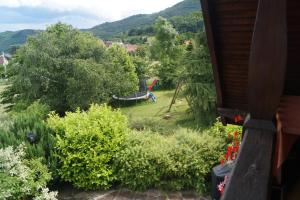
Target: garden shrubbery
{"points": [[174, 162], [22, 178], [28, 127], [95, 149], [86, 144]]}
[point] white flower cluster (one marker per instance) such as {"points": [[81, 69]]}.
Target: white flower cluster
{"points": [[46, 195], [11, 162]]}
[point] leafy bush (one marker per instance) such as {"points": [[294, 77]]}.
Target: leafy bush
{"points": [[179, 161], [21, 178], [29, 123], [86, 143], [220, 131], [73, 70]]}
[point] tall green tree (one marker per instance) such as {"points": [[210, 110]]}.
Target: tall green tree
{"points": [[123, 78], [65, 68], [200, 88], [165, 50]]}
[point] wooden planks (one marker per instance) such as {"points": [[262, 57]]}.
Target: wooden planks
{"points": [[292, 83], [267, 59], [234, 23], [250, 176], [209, 27]]}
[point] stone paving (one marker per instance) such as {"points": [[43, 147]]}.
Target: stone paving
{"points": [[122, 194]]}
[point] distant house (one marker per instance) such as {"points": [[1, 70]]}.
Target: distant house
{"points": [[4, 58], [129, 47], [108, 43]]}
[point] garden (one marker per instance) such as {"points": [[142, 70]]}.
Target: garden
{"points": [[60, 126]]}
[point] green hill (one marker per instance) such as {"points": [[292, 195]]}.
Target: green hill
{"points": [[109, 30], [10, 39]]}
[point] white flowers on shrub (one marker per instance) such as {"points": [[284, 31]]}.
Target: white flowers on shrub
{"points": [[18, 180], [46, 195]]}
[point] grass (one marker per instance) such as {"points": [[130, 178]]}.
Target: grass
{"points": [[157, 113]]}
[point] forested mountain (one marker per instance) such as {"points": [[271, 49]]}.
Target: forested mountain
{"points": [[10, 39], [109, 30]]}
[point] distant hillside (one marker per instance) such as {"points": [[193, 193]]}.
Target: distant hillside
{"points": [[110, 29], [9, 39]]}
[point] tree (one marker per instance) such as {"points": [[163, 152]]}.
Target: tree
{"points": [[165, 50], [65, 68], [122, 77], [200, 89]]}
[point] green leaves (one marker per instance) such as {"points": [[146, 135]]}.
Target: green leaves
{"points": [[87, 143], [174, 162], [22, 178], [65, 69], [165, 50], [200, 88]]}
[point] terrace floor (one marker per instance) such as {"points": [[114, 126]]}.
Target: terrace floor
{"points": [[122, 194]]}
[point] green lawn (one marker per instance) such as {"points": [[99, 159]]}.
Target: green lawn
{"points": [[157, 112]]}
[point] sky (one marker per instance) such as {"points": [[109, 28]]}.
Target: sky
{"points": [[38, 14]]}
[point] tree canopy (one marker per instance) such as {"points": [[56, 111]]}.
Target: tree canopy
{"points": [[200, 88], [66, 69], [165, 50]]}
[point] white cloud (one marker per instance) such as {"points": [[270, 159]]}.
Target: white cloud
{"points": [[104, 9]]}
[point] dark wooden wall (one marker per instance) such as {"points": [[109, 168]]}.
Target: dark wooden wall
{"points": [[232, 26], [292, 83]]}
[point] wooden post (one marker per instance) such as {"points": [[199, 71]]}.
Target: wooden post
{"points": [[250, 178], [178, 87]]}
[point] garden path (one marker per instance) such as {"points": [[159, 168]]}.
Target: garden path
{"points": [[122, 194]]}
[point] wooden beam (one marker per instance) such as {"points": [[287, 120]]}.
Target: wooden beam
{"points": [[267, 59], [209, 28], [250, 177]]}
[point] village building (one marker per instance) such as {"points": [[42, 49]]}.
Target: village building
{"points": [[4, 60]]}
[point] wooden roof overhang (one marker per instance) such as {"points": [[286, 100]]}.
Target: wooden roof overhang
{"points": [[230, 26], [255, 51]]}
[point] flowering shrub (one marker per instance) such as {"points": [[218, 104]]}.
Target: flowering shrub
{"points": [[21, 178]]}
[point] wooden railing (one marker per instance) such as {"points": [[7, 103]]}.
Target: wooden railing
{"points": [[266, 73], [250, 178]]}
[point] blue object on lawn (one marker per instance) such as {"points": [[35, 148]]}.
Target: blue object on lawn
{"points": [[152, 96]]}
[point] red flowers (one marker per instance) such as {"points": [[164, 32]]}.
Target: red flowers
{"points": [[238, 118], [231, 155]]}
